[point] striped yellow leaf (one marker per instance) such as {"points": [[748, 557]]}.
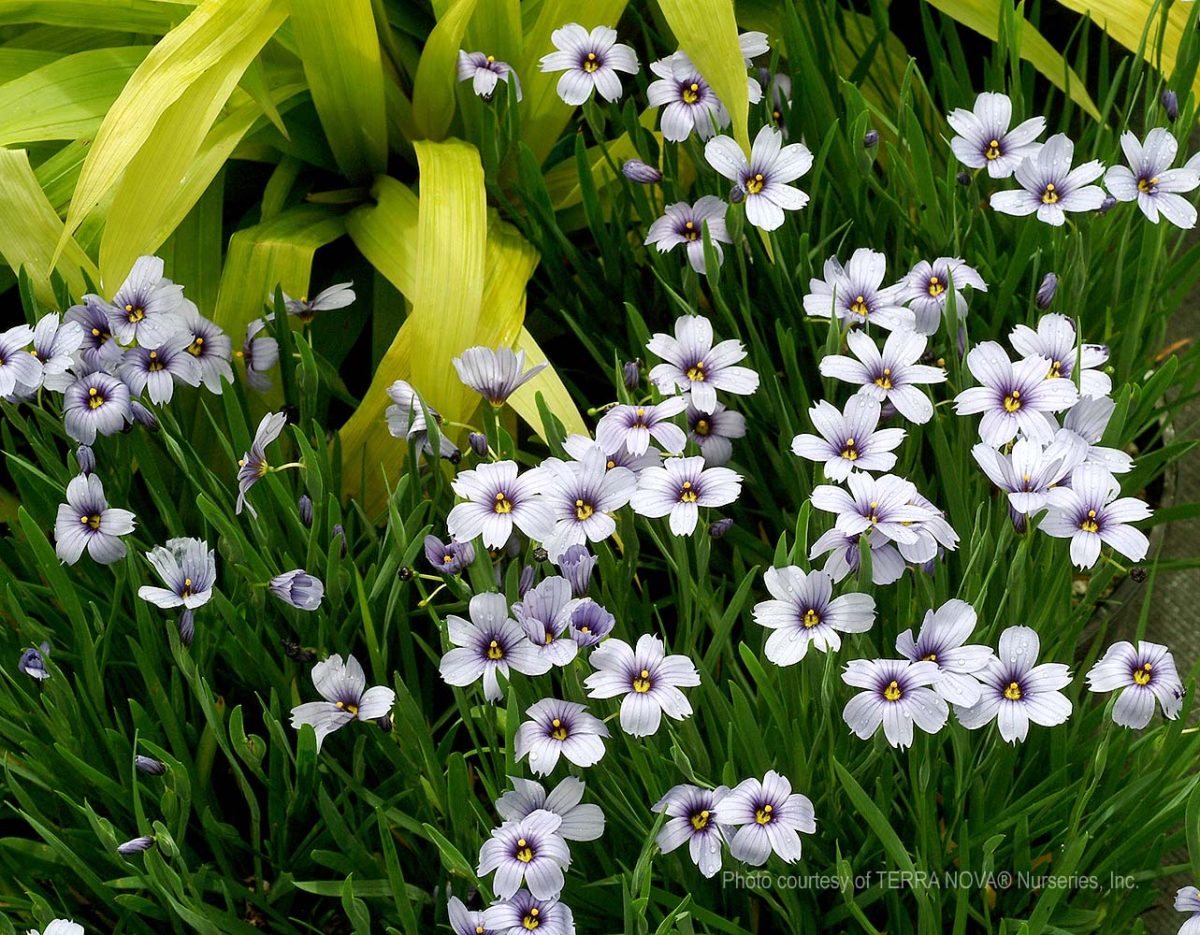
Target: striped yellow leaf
{"points": [[218, 39], [433, 86], [707, 31], [30, 229], [139, 16], [386, 233], [339, 47]]}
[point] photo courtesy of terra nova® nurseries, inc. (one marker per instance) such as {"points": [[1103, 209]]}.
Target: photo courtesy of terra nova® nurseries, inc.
{"points": [[623, 467]]}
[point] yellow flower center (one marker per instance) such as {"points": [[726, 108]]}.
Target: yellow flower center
{"points": [[1013, 692], [884, 380], [935, 286], [347, 706], [1142, 675], [892, 692], [583, 510], [859, 306], [95, 398], [187, 587], [755, 184], [641, 683], [96, 332], [703, 427], [695, 373], [688, 493], [559, 731], [690, 232], [1050, 196], [700, 820], [91, 519], [764, 815], [154, 364], [196, 348], [691, 93], [850, 453], [591, 63], [530, 922], [1089, 523], [502, 504], [932, 657], [1012, 402], [1147, 185], [874, 518], [993, 150], [134, 313], [811, 618], [524, 851], [491, 58], [1055, 370], [495, 650]]}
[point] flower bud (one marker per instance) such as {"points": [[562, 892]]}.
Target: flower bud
{"points": [[149, 765], [1170, 103], [870, 139], [479, 443], [631, 373], [720, 527], [86, 459], [305, 507], [1045, 293], [637, 171]]}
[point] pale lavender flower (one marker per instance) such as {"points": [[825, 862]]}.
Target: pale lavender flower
{"points": [[33, 662], [487, 646], [98, 351], [485, 72], [86, 521], [682, 223], [97, 403], [135, 846], [1016, 691], [712, 432], [142, 416], [926, 290], [932, 534], [54, 346], [693, 816], [768, 817], [942, 641], [581, 496], [897, 695], [448, 558], [637, 171], [619, 455], [559, 728], [1186, 900], [465, 922], [1013, 397], [589, 61], [209, 346], [856, 295], [495, 374], [576, 564], [496, 501], [764, 178], [147, 307], [343, 685], [693, 363], [188, 568], [590, 623], [690, 104], [892, 376], [544, 612], [1050, 187], [1027, 473], [1090, 514], [298, 588], [17, 366], [260, 352], [406, 419], [648, 679], [580, 822], [253, 465], [804, 611], [1151, 182], [59, 927], [149, 765], [156, 371], [632, 427], [779, 93], [525, 913], [1144, 675], [530, 851], [883, 505], [850, 440], [1046, 291], [1088, 419], [984, 139], [336, 296], [680, 487], [1056, 340]]}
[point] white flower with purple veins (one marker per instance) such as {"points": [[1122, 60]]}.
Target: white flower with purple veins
{"points": [[495, 373], [406, 419], [805, 611], [933, 534], [545, 615], [297, 588], [54, 347], [211, 347], [155, 371], [856, 295], [1014, 398], [588, 61], [1151, 182], [1088, 420], [259, 353], [764, 178], [693, 816], [882, 505], [147, 307], [1056, 340], [1028, 472], [529, 851], [632, 427], [96, 403], [897, 695], [464, 921], [60, 927], [188, 568], [1143, 675], [887, 565], [525, 913], [86, 521], [850, 440], [942, 640], [693, 363], [682, 223], [1090, 514], [648, 679], [768, 817], [687, 100], [17, 366], [559, 728], [680, 487], [336, 296], [1016, 690], [487, 646], [496, 501], [590, 623], [485, 72], [926, 290], [98, 351], [253, 465], [580, 822], [343, 685], [712, 432], [581, 496], [892, 376], [1050, 187], [984, 139], [577, 447]]}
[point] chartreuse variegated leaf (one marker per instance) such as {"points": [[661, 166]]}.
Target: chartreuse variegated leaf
{"points": [[495, 29], [339, 47], [278, 252], [15, 63], [218, 39], [543, 114], [433, 86], [707, 31], [30, 230], [386, 232], [983, 16], [140, 16], [67, 98]]}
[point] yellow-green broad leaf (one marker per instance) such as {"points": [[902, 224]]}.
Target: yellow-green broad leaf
{"points": [[433, 86]]}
